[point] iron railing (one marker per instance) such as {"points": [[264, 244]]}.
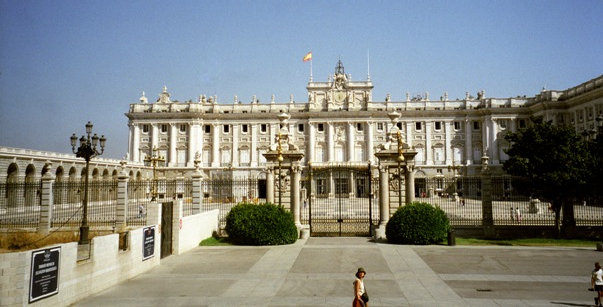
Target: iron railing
{"points": [[223, 193], [20, 204]]}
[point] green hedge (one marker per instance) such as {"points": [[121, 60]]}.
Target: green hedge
{"points": [[263, 224], [417, 223]]}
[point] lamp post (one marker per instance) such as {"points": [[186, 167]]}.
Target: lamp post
{"points": [[87, 150], [153, 159]]}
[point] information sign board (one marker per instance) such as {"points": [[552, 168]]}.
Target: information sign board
{"points": [[44, 278], [148, 242]]}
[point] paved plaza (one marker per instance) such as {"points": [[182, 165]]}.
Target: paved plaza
{"points": [[320, 272]]}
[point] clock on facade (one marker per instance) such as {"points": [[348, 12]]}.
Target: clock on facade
{"points": [[339, 96]]}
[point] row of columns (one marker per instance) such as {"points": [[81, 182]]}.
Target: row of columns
{"points": [[489, 132]]}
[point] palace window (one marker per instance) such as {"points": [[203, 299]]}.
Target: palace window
{"points": [[226, 128], [244, 128], [438, 125], [207, 128], [263, 128], [183, 128], [164, 128], [418, 126], [457, 126], [300, 127], [321, 127], [379, 126], [359, 126], [522, 123], [399, 125], [145, 128], [475, 125]]}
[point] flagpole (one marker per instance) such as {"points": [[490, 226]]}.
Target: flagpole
{"points": [[310, 70]]}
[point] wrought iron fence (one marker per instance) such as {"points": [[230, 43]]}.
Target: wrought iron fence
{"points": [[20, 204], [68, 202], [223, 193], [139, 197]]}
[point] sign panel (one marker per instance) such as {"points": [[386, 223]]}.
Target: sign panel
{"points": [[148, 242], [44, 277]]}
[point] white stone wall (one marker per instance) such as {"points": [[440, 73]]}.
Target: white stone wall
{"points": [[106, 267], [190, 230]]}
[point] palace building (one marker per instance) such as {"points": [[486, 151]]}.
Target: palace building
{"points": [[342, 123]]}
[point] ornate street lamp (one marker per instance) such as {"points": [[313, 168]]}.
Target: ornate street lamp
{"points": [[154, 159], [279, 151], [87, 150]]}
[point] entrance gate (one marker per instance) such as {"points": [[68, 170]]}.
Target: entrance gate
{"points": [[340, 200]]}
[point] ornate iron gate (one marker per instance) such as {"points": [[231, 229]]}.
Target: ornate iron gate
{"points": [[340, 200]]}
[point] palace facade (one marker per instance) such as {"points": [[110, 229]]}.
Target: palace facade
{"points": [[341, 122]]}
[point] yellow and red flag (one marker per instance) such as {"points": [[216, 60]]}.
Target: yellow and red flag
{"points": [[308, 57]]}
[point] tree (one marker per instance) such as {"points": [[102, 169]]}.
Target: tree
{"points": [[556, 162]]}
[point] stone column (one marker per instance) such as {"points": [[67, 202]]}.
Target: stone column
{"points": [[350, 142], [121, 212], [270, 185], [485, 138], [234, 158], [295, 202], [135, 153], [448, 149], [195, 143], [428, 147], [330, 142], [383, 202], [215, 145], [494, 142], [154, 137], [468, 146], [311, 142], [173, 143], [46, 204], [254, 145], [409, 133], [409, 177], [197, 191], [369, 141]]}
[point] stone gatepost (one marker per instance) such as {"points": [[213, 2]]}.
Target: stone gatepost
{"points": [[46, 204], [270, 185], [389, 158], [295, 186], [122, 200], [197, 178], [285, 155]]}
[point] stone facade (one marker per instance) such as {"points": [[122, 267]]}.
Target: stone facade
{"points": [[341, 123]]}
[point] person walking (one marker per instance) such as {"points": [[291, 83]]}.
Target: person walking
{"points": [[518, 215], [596, 282], [360, 295]]}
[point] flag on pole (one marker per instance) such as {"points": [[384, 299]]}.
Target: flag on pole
{"points": [[308, 57]]}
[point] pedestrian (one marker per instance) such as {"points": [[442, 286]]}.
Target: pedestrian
{"points": [[596, 282], [462, 202], [518, 215], [512, 214], [140, 210], [360, 296]]}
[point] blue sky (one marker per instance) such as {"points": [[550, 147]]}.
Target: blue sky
{"points": [[63, 63]]}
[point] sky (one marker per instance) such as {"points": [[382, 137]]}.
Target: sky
{"points": [[64, 63]]}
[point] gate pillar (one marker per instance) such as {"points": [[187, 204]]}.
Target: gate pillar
{"points": [[383, 202], [295, 205], [270, 185]]}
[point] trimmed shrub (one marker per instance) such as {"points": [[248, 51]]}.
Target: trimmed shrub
{"points": [[417, 223], [263, 224]]}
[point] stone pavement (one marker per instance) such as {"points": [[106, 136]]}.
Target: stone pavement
{"points": [[320, 272]]}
